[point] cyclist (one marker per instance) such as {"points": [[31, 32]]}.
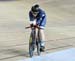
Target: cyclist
{"points": [[38, 18]]}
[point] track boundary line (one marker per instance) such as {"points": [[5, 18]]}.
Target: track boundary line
{"points": [[27, 53]]}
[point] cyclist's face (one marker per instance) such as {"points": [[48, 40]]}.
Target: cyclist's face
{"points": [[35, 13]]}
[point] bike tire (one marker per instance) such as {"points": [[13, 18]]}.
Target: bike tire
{"points": [[38, 48], [31, 50], [30, 47]]}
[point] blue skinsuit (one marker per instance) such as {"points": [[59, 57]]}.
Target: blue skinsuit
{"points": [[40, 18]]}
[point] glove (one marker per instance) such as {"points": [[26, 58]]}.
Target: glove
{"points": [[31, 25]]}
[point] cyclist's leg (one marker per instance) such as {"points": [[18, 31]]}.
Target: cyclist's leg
{"points": [[42, 39], [41, 31]]}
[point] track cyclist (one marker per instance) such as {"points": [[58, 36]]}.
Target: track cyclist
{"points": [[38, 18]]}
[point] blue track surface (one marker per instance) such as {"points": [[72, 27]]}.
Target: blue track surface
{"points": [[65, 55]]}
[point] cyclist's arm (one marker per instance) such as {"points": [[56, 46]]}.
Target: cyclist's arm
{"points": [[32, 20]]}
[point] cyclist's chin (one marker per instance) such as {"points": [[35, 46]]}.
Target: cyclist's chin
{"points": [[34, 15]]}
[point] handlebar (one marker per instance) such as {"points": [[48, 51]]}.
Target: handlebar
{"points": [[32, 27]]}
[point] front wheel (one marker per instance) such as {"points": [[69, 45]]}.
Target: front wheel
{"points": [[31, 49], [38, 48]]}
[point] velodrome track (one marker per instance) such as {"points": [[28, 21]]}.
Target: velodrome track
{"points": [[60, 29]]}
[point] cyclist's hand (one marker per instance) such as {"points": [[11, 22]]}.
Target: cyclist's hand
{"points": [[31, 25], [36, 26]]}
